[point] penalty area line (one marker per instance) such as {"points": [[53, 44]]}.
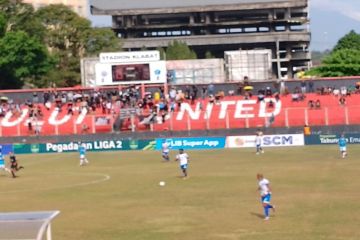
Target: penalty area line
{"points": [[104, 178]]}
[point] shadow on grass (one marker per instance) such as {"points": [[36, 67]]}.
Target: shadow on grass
{"points": [[257, 215]]}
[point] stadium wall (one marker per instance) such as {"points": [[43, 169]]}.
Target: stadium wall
{"points": [[231, 140]]}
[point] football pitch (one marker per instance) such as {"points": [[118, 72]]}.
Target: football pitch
{"points": [[117, 196]]}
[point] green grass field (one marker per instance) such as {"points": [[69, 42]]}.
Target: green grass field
{"points": [[118, 195]]}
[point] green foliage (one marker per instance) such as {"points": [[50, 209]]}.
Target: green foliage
{"points": [[20, 17], [344, 60], [26, 37], [162, 53], [21, 57], [349, 41], [101, 40], [2, 24], [70, 38], [177, 50]]}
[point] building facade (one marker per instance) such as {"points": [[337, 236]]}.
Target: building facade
{"points": [[207, 26], [78, 6]]}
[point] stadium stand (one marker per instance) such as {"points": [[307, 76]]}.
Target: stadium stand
{"points": [[83, 111]]}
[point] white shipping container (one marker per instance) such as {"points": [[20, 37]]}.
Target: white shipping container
{"points": [[254, 64], [199, 71]]}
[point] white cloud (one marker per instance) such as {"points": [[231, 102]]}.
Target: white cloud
{"points": [[348, 8]]}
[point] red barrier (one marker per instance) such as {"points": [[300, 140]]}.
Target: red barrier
{"points": [[230, 112]]}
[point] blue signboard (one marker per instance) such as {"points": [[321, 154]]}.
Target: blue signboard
{"points": [[192, 143], [331, 139], [6, 148]]}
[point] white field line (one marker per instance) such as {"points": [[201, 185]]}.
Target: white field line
{"points": [[104, 177]]}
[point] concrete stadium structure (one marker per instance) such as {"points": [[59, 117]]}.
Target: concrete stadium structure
{"points": [[279, 25]]}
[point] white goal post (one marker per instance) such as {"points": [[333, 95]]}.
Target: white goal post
{"points": [[26, 225]]}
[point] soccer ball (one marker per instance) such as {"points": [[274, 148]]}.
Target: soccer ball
{"points": [[162, 183]]}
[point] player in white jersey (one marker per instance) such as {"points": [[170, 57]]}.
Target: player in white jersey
{"points": [[258, 142], [183, 158], [165, 151], [265, 193]]}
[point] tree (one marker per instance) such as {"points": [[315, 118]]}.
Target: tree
{"points": [[101, 40], [349, 41], [344, 60], [177, 50], [20, 17], [21, 57], [70, 38]]}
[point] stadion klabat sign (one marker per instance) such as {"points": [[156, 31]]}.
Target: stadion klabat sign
{"points": [[129, 57]]}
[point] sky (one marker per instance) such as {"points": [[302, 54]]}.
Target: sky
{"points": [[329, 21]]}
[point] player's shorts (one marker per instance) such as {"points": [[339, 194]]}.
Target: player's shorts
{"points": [[258, 145], [165, 154], [184, 166], [266, 198], [342, 149], [82, 156]]}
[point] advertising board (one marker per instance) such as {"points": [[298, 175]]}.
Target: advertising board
{"points": [[316, 139], [105, 145], [130, 73], [267, 141], [192, 143], [6, 148]]}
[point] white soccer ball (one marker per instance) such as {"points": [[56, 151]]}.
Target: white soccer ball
{"points": [[162, 183]]}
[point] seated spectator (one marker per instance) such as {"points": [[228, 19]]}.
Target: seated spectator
{"points": [[247, 95], [357, 87], [48, 105], [271, 104], [336, 92], [211, 99], [268, 92], [342, 101], [317, 104], [37, 127], [85, 128], [311, 104], [261, 97], [277, 97], [343, 91], [70, 109], [295, 97], [302, 97]]}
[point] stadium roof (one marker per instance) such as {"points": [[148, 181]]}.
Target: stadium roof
{"points": [[137, 6]]}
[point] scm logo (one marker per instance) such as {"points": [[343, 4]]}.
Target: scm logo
{"points": [[278, 140]]}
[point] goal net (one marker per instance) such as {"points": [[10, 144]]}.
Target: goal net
{"points": [[26, 225]]}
